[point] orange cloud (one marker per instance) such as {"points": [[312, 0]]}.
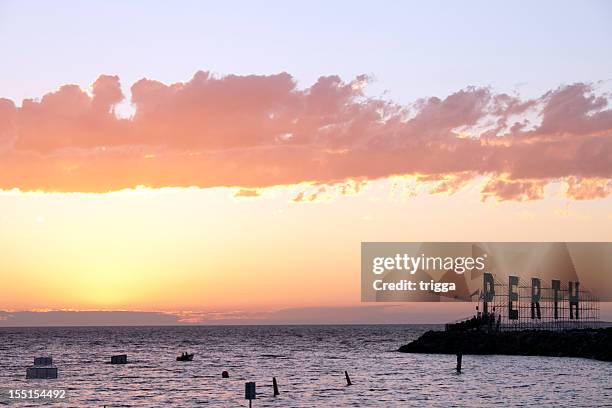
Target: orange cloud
{"points": [[304, 196], [514, 190], [245, 193], [588, 189], [258, 131]]}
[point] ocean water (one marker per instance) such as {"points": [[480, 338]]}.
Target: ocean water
{"points": [[308, 362]]}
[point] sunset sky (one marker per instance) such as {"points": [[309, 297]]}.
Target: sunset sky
{"points": [[225, 161]]}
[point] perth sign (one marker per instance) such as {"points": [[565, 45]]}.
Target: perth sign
{"points": [[535, 304]]}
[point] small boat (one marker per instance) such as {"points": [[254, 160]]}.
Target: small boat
{"points": [[185, 357]]}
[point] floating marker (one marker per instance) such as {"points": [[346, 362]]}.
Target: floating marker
{"points": [[119, 359], [43, 369], [348, 379], [225, 374]]}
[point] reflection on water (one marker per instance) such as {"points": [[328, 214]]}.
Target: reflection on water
{"points": [[308, 362]]}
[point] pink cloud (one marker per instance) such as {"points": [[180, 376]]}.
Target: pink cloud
{"points": [[258, 131]]}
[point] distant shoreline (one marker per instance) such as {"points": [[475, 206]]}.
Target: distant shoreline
{"points": [[225, 325], [603, 324]]}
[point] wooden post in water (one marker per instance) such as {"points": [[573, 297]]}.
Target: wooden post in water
{"points": [[348, 379], [275, 386], [459, 357]]}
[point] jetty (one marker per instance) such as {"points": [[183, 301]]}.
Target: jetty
{"points": [[586, 343], [518, 317]]}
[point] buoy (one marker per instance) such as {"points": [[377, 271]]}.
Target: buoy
{"points": [[459, 357], [275, 386], [225, 374]]}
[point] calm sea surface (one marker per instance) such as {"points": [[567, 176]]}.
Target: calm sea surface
{"points": [[308, 362]]}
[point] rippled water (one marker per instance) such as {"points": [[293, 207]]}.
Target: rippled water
{"points": [[308, 362]]}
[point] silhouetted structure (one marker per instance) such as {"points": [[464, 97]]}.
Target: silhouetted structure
{"points": [[517, 305]]}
